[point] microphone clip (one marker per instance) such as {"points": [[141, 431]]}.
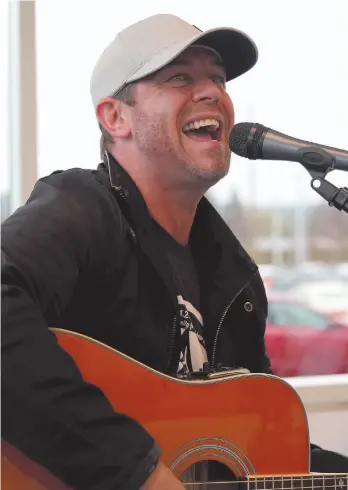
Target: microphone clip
{"points": [[318, 164]]}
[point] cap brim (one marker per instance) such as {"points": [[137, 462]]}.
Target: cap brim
{"points": [[237, 50]]}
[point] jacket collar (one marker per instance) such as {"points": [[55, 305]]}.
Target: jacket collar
{"points": [[222, 263]]}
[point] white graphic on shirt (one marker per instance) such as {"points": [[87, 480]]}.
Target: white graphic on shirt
{"points": [[193, 353]]}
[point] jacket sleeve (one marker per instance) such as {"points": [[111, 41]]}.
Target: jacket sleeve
{"points": [[48, 411]]}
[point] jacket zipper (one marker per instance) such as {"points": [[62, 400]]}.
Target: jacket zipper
{"points": [[123, 194], [213, 360], [171, 342]]}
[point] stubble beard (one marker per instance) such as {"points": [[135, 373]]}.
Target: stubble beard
{"points": [[153, 140]]}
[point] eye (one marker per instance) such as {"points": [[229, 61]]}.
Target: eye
{"points": [[219, 79], [179, 77]]}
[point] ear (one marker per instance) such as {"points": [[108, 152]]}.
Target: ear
{"points": [[112, 115]]}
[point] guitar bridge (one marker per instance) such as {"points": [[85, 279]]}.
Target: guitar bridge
{"points": [[228, 373], [220, 372]]}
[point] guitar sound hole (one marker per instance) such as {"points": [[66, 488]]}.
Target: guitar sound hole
{"points": [[208, 471]]}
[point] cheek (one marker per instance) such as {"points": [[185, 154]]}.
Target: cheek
{"points": [[167, 112], [229, 109], [177, 108]]}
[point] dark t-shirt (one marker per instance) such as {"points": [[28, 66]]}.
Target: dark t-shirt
{"points": [[192, 353]]}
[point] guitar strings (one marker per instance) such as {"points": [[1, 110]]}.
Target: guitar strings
{"points": [[189, 485]]}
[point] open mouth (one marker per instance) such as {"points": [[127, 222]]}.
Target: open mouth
{"points": [[203, 130]]}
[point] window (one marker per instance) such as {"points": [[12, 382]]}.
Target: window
{"points": [[5, 184]]}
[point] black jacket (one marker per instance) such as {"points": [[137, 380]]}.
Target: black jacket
{"points": [[81, 255]]}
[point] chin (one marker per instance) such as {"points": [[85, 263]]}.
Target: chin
{"points": [[211, 173]]}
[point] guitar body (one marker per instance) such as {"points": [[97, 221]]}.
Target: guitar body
{"points": [[254, 424]]}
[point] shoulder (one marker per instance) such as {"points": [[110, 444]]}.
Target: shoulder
{"points": [[72, 183], [83, 193], [75, 204]]}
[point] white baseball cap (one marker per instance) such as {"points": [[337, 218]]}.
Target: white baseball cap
{"points": [[152, 43]]}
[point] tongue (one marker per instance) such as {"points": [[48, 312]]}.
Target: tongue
{"points": [[199, 135]]}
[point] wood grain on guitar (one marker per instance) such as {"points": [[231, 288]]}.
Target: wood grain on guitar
{"points": [[254, 424]]}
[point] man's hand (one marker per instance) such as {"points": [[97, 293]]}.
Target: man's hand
{"points": [[162, 479]]}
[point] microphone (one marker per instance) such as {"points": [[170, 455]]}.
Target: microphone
{"points": [[255, 141]]}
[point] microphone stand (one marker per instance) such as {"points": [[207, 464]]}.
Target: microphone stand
{"points": [[318, 164], [335, 196]]}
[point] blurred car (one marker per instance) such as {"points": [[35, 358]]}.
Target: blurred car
{"points": [[330, 296], [302, 341]]}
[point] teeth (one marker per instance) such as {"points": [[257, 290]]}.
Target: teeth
{"points": [[213, 123]]}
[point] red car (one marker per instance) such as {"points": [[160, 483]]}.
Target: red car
{"points": [[301, 341]]}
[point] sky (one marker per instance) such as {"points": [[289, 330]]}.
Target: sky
{"points": [[298, 87]]}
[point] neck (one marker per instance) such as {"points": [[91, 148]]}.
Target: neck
{"points": [[173, 209], [172, 206], [173, 213]]}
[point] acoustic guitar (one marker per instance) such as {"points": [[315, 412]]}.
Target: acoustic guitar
{"points": [[253, 424]]}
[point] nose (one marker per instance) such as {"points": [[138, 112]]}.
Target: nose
{"points": [[206, 91]]}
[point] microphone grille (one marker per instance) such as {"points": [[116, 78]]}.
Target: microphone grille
{"points": [[246, 140], [239, 137]]}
